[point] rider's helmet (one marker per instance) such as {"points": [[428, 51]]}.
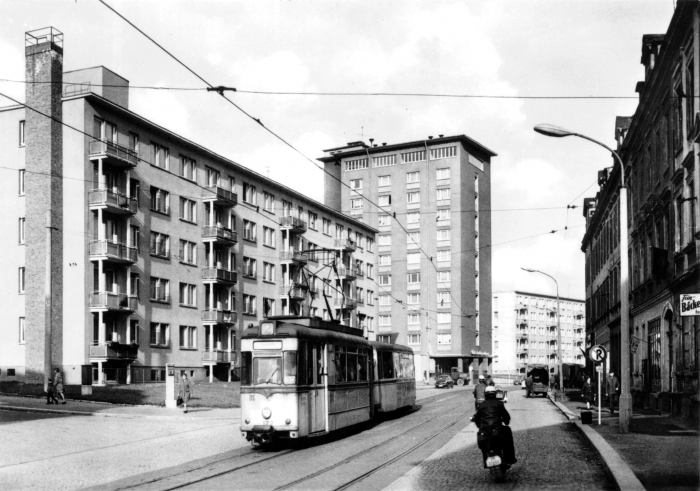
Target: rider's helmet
{"points": [[481, 377], [490, 391]]}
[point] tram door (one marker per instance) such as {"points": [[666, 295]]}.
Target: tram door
{"points": [[317, 403]]}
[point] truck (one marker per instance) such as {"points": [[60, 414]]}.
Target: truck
{"points": [[460, 378], [537, 381]]}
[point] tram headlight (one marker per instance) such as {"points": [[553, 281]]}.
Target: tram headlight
{"points": [[288, 421], [266, 413], [247, 421]]}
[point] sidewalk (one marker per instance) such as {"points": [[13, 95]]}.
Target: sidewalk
{"points": [[660, 451]]}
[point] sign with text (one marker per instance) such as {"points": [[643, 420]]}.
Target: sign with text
{"points": [[690, 304]]}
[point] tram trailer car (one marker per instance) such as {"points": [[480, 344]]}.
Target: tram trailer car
{"points": [[304, 377]]}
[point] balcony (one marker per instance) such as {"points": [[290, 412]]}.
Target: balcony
{"points": [[112, 251], [113, 154], [217, 316], [112, 202], [220, 276], [345, 303], [521, 335], [293, 224], [112, 302], [521, 350], [218, 356], [295, 291], [220, 196], [347, 272], [219, 235], [114, 351], [345, 245], [287, 257]]}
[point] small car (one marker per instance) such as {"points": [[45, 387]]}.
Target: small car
{"points": [[516, 381], [444, 381]]}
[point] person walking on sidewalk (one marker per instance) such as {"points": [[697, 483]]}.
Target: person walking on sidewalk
{"points": [[612, 387], [50, 395], [185, 390], [58, 385], [587, 392]]}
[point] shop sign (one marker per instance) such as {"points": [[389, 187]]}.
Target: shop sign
{"points": [[690, 304]]}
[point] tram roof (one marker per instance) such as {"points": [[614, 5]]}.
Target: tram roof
{"points": [[309, 327], [379, 346]]}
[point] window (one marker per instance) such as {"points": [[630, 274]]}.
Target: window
{"points": [[443, 276], [313, 220], [360, 240], [443, 173], [356, 204], [384, 338], [414, 339], [384, 200], [268, 272], [370, 245], [326, 226], [356, 164], [268, 202], [384, 240], [383, 220], [443, 255], [22, 174], [188, 210], [249, 231], [21, 133], [134, 142], [161, 157], [385, 279], [444, 338], [413, 197], [384, 181], [443, 234], [160, 289], [413, 217], [134, 284], [385, 260], [444, 299], [413, 278], [268, 307], [250, 268], [135, 190], [443, 214], [444, 318], [384, 320], [384, 300], [134, 235], [188, 252], [160, 200], [443, 194], [160, 245], [370, 270], [384, 160], [250, 194], [370, 297], [409, 157], [160, 334], [213, 177], [188, 168], [413, 258], [249, 304], [413, 319], [413, 298], [339, 232], [355, 183], [22, 338], [188, 295], [413, 238], [22, 236], [443, 153], [412, 177], [269, 236], [188, 337]]}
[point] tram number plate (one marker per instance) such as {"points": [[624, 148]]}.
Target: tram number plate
{"points": [[267, 422]]}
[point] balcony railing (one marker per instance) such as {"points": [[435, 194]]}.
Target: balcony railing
{"points": [[114, 351], [296, 291], [217, 316], [112, 250], [219, 274], [113, 301], [221, 195], [345, 303], [219, 234], [218, 356], [114, 201], [116, 154], [293, 256], [293, 223], [347, 272], [346, 245]]}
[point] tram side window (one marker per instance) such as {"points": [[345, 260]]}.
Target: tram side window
{"points": [[386, 365], [319, 363], [352, 365], [362, 365], [305, 359], [340, 363], [407, 369], [290, 368], [245, 367]]}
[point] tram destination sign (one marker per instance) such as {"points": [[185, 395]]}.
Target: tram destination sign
{"points": [[690, 304]]}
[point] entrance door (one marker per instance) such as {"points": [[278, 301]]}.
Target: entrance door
{"points": [[317, 403]]}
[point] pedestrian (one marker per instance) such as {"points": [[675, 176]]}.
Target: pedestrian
{"points": [[587, 392], [185, 391], [58, 385], [50, 395], [612, 387], [489, 381]]}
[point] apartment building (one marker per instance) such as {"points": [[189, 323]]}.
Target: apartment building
{"points": [[433, 265], [659, 148], [525, 331], [159, 250]]}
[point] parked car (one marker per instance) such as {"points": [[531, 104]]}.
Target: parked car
{"points": [[517, 381], [444, 381]]}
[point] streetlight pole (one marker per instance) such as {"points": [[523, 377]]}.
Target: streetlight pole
{"points": [[561, 372], [625, 396]]}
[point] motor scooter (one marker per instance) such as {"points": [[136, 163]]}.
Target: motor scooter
{"points": [[489, 442]]}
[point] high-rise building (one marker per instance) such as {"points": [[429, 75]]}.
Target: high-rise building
{"points": [[151, 248], [525, 331], [431, 202]]}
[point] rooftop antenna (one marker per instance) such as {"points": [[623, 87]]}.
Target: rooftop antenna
{"points": [[267, 168]]}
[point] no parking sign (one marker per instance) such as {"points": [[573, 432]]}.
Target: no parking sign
{"points": [[597, 353]]}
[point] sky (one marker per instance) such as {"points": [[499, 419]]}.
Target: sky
{"points": [[511, 48]]}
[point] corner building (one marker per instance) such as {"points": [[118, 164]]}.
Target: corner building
{"points": [[162, 251], [432, 203]]}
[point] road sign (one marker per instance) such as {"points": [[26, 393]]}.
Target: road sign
{"points": [[599, 369], [597, 353], [690, 304]]}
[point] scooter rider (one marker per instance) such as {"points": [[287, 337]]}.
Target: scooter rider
{"points": [[479, 392], [492, 414]]}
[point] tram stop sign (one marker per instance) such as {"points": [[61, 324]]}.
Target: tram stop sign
{"points": [[597, 353]]}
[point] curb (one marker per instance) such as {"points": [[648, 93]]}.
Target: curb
{"points": [[619, 470], [107, 415]]}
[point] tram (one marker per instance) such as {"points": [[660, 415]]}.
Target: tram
{"points": [[304, 377]]}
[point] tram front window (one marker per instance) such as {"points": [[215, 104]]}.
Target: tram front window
{"points": [[267, 370]]}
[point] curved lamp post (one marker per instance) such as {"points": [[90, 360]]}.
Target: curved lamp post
{"points": [[625, 396], [561, 373]]}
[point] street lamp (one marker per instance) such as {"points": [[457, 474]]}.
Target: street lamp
{"points": [[561, 373], [625, 396]]}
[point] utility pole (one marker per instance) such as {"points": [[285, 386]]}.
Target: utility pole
{"points": [[48, 317]]}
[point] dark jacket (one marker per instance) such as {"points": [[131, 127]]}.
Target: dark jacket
{"points": [[612, 385], [492, 412], [587, 391], [480, 392]]}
